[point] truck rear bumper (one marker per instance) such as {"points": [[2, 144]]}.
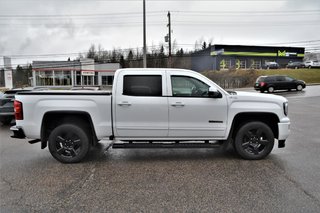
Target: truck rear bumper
{"points": [[17, 132]]}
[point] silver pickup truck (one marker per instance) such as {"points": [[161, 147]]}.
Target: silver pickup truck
{"points": [[152, 108]]}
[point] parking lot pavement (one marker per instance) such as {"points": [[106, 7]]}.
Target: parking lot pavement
{"points": [[165, 180]]}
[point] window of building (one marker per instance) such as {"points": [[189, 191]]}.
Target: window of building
{"points": [[104, 80], [142, 85], [62, 78], [185, 86], [78, 77], [110, 80], [255, 64], [225, 64], [240, 64], [107, 80], [44, 78]]}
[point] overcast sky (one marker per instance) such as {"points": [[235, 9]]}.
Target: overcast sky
{"points": [[44, 27]]}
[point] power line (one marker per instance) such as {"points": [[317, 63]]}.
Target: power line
{"points": [[176, 23], [77, 15], [200, 12], [246, 11], [294, 42]]}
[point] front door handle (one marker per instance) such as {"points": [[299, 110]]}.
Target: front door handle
{"points": [[177, 104], [124, 103]]}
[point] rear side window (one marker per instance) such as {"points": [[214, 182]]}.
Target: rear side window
{"points": [[270, 79], [142, 85], [281, 78], [260, 79]]}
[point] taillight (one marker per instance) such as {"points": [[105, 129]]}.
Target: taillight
{"points": [[262, 84], [18, 112]]}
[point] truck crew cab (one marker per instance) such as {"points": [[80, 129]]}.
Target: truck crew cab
{"points": [[152, 108]]}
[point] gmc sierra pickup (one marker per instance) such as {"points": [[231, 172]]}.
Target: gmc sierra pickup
{"points": [[152, 108]]}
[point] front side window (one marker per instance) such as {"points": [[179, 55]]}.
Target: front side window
{"points": [[288, 78], [184, 86], [142, 85]]}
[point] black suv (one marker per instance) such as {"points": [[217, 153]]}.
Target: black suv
{"points": [[278, 82]]}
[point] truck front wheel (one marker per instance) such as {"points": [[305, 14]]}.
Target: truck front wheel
{"points": [[254, 141], [69, 143]]}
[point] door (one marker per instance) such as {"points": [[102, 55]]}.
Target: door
{"points": [[192, 113], [290, 83], [141, 109], [281, 83]]}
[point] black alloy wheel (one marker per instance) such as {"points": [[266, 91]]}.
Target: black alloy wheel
{"points": [[254, 140], [69, 143]]}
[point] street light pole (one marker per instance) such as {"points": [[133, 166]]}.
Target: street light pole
{"points": [[144, 36]]}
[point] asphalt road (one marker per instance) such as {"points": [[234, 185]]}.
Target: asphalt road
{"points": [[164, 180]]}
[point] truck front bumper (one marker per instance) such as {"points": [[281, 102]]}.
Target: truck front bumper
{"points": [[17, 132], [284, 129]]}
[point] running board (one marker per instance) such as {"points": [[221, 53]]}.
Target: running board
{"points": [[164, 145]]}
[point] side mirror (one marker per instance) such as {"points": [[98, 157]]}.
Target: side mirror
{"points": [[214, 93]]}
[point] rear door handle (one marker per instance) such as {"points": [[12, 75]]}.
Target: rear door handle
{"points": [[124, 103], [177, 104]]}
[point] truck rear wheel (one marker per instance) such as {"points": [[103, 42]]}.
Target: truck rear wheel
{"points": [[254, 141], [69, 143]]}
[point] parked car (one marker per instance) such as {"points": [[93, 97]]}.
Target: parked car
{"points": [[295, 65], [6, 103], [312, 64], [271, 65], [278, 82], [85, 88]]}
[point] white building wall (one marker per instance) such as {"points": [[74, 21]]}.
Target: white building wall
{"points": [[106, 70]]}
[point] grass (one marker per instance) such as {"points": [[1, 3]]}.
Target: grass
{"points": [[307, 75]]}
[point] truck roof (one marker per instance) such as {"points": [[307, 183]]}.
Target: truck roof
{"points": [[154, 69]]}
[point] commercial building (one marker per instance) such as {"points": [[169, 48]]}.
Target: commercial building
{"points": [[218, 57], [83, 72]]}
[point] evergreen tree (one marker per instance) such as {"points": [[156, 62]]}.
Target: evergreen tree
{"points": [[204, 45], [130, 55], [92, 52], [122, 62]]}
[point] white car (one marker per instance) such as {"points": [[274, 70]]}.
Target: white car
{"points": [[312, 64], [152, 108]]}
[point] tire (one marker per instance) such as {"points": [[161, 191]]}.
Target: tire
{"points": [[299, 87], [270, 89], [69, 143], [254, 141]]}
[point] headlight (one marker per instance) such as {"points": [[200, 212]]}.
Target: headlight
{"points": [[285, 108]]}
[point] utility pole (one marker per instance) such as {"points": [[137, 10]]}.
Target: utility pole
{"points": [[144, 36], [169, 34]]}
